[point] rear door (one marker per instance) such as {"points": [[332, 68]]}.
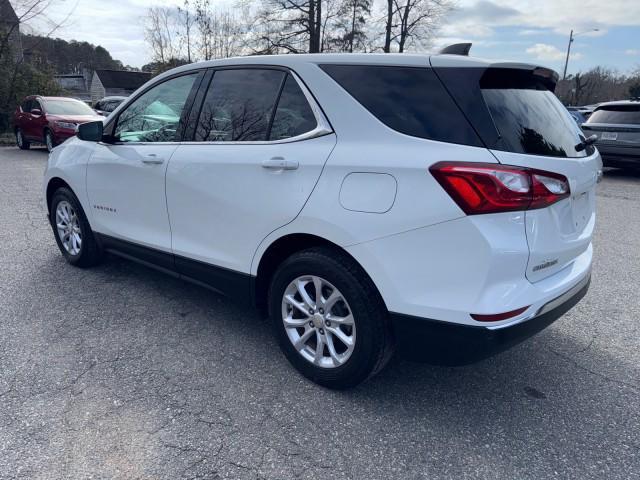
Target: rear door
{"points": [[255, 155], [524, 124]]}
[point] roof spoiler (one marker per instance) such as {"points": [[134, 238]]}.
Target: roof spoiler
{"points": [[457, 49]]}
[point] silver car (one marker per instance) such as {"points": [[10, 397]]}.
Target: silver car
{"points": [[617, 126]]}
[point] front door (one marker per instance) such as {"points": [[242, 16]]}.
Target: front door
{"points": [[257, 152], [126, 177]]}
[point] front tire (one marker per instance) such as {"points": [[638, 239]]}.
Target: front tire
{"points": [[48, 140], [21, 141], [71, 229], [329, 318]]}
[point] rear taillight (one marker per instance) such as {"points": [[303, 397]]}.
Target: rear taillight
{"points": [[480, 188]]}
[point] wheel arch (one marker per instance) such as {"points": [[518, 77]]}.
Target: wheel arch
{"points": [[282, 248], [52, 185]]}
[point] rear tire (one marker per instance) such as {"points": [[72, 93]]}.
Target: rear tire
{"points": [[71, 229], [334, 364], [21, 141]]}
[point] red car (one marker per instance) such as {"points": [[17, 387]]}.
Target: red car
{"points": [[49, 120]]}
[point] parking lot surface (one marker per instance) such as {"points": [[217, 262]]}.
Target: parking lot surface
{"points": [[123, 372]]}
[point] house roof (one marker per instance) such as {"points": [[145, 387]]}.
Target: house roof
{"points": [[7, 13], [122, 78]]}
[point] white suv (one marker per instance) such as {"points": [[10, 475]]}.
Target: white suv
{"points": [[440, 205]]}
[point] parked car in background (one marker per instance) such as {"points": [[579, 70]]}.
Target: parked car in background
{"points": [[585, 110], [49, 120], [577, 115], [617, 125], [107, 105], [442, 205]]}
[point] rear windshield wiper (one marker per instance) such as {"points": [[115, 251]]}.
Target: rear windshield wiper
{"points": [[586, 142]]}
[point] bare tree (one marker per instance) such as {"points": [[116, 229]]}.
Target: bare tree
{"points": [[221, 32], [412, 22], [186, 21], [597, 85], [162, 32], [298, 26], [352, 18]]}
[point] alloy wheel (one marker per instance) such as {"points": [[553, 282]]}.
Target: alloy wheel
{"points": [[19, 139], [68, 227], [318, 321]]}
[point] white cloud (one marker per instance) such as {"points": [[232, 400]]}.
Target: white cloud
{"points": [[543, 51], [632, 52], [529, 32]]}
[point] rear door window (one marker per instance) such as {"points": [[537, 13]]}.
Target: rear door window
{"points": [[294, 115], [619, 114], [239, 105], [410, 100]]}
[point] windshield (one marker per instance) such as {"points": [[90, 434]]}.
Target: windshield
{"points": [[621, 115], [67, 107]]}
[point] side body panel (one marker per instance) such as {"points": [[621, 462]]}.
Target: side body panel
{"points": [[222, 201]]}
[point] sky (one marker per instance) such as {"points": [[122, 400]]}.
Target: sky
{"points": [[535, 31]]}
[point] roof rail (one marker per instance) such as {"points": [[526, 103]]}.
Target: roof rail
{"points": [[457, 49]]}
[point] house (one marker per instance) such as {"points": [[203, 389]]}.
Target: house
{"points": [[106, 83], [75, 85], [9, 31]]}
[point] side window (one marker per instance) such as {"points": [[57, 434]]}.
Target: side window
{"points": [[98, 106], [239, 105], [155, 116], [293, 115], [410, 100]]}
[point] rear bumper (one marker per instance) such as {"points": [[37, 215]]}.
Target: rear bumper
{"points": [[616, 156], [445, 343]]}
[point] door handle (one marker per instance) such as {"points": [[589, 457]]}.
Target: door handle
{"points": [[279, 163], [152, 159]]}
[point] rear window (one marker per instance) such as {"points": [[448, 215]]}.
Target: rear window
{"points": [[622, 114], [529, 118], [409, 100]]}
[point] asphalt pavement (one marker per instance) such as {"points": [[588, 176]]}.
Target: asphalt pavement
{"points": [[120, 372]]}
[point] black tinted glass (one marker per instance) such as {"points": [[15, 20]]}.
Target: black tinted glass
{"points": [[294, 115], [409, 100], [529, 118], [620, 115], [239, 105], [26, 105]]}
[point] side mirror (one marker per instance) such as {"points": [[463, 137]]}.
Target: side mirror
{"points": [[36, 111], [91, 131]]}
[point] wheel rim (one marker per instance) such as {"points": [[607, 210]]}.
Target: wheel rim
{"points": [[68, 226], [49, 141], [19, 138], [318, 321]]}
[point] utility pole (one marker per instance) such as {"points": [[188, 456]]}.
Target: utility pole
{"points": [[566, 62], [572, 36]]}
